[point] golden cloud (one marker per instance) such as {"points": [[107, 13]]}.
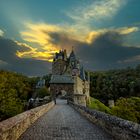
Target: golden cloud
{"points": [[42, 35], [127, 30], [49, 39], [34, 53], [39, 34], [93, 35], [1, 32]]}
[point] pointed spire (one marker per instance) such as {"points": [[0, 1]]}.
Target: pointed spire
{"points": [[72, 48], [72, 54]]}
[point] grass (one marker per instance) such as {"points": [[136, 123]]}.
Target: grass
{"points": [[97, 105]]}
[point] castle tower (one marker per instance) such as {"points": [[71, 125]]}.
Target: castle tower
{"points": [[65, 55], [68, 75], [59, 63]]}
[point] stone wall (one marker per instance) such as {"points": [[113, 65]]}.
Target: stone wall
{"points": [[80, 99], [82, 88], [78, 85], [119, 128], [86, 88], [12, 128]]}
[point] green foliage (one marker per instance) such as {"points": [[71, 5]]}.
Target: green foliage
{"points": [[96, 104], [114, 84], [47, 79], [42, 92], [33, 81], [10, 104], [127, 108], [14, 90]]}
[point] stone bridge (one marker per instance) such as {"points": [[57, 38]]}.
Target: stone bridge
{"points": [[65, 122]]}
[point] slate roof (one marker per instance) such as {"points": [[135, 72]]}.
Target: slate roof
{"points": [[62, 79], [72, 55]]}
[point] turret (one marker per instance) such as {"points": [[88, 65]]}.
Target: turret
{"points": [[65, 55], [72, 56], [60, 55], [59, 63]]}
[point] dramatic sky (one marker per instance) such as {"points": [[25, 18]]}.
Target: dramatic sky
{"points": [[105, 33]]}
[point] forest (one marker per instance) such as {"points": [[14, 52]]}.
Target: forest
{"points": [[114, 84]]}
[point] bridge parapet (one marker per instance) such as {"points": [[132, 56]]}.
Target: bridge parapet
{"points": [[119, 128], [12, 128]]}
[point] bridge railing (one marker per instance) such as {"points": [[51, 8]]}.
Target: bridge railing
{"points": [[119, 128], [12, 128]]}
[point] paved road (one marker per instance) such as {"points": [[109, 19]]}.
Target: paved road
{"points": [[63, 123]]}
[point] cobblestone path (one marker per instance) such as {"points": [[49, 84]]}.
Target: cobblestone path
{"points": [[63, 123]]}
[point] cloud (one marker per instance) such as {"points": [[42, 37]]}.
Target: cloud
{"points": [[127, 30], [1, 33], [98, 49], [10, 61], [3, 63], [131, 59], [93, 35], [95, 11], [39, 34], [106, 51], [48, 39]]}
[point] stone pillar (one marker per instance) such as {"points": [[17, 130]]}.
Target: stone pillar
{"points": [[111, 103]]}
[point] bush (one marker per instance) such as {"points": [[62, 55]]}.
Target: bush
{"points": [[41, 93], [10, 105], [127, 108]]}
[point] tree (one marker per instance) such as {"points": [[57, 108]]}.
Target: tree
{"points": [[47, 79], [14, 90], [10, 104], [42, 92]]}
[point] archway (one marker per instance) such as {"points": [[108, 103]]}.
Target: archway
{"points": [[62, 94]]}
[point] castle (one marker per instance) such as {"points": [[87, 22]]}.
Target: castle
{"points": [[69, 78]]}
